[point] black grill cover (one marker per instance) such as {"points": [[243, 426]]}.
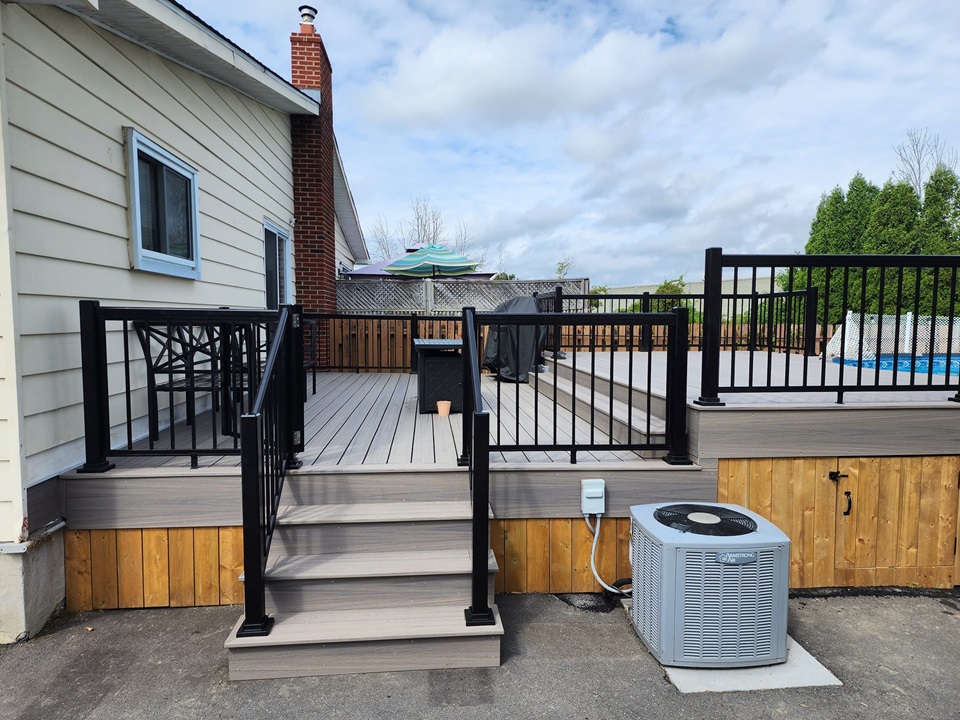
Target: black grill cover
{"points": [[513, 351]]}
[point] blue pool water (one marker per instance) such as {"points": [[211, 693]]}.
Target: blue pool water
{"points": [[906, 363]]}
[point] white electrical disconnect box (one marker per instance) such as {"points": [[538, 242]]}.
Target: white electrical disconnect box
{"points": [[593, 497]]}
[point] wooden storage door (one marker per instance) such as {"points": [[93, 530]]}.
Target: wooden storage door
{"points": [[896, 521], [900, 529]]}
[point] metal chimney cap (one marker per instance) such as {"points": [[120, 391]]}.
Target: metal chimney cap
{"points": [[307, 14]]}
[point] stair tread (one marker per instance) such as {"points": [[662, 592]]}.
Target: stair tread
{"points": [[601, 401], [392, 563], [366, 625], [342, 514]]}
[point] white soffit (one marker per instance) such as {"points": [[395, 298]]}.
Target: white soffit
{"points": [[172, 32]]}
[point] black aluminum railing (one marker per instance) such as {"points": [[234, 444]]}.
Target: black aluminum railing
{"points": [[271, 435], [168, 382], [617, 409], [835, 323]]}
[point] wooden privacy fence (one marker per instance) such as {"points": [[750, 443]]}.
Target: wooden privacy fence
{"points": [[383, 343]]}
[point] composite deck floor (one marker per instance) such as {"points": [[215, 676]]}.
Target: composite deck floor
{"points": [[370, 419], [790, 370], [363, 419]]}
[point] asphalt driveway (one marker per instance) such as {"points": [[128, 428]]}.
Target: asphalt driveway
{"points": [[897, 655]]}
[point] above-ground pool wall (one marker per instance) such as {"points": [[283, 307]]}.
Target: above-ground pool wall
{"points": [[884, 521]]}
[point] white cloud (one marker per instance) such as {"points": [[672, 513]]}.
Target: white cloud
{"points": [[631, 134]]}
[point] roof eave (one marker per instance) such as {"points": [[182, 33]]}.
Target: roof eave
{"points": [[171, 31]]}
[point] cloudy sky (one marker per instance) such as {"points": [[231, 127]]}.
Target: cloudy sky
{"points": [[628, 135]]}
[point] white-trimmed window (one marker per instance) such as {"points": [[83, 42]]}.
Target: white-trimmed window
{"points": [[164, 213], [276, 255]]}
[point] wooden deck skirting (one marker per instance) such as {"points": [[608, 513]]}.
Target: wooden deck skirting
{"points": [[155, 567]]}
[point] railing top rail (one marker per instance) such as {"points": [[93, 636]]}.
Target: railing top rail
{"points": [[198, 316], [379, 316], [470, 351], [632, 296], [275, 346], [576, 319], [855, 261]]}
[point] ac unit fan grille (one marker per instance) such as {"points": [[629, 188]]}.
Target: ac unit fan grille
{"points": [[728, 610], [705, 520]]}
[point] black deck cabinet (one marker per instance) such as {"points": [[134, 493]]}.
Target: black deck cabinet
{"points": [[439, 374]]}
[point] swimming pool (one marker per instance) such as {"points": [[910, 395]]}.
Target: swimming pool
{"points": [[906, 363]]}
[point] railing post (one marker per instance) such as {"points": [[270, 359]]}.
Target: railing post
{"points": [[712, 318], [557, 308], [414, 336], [256, 622], [96, 413], [646, 331], [677, 351], [296, 384], [479, 612], [811, 326], [467, 387]]}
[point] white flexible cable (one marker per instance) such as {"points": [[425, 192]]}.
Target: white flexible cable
{"points": [[593, 553]]}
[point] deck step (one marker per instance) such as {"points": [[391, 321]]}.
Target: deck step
{"points": [[402, 483], [372, 527], [381, 639], [620, 390], [365, 580], [598, 406]]}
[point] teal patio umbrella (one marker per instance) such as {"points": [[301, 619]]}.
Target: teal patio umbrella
{"points": [[432, 261]]}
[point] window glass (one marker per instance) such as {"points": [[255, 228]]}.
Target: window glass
{"points": [[164, 209]]}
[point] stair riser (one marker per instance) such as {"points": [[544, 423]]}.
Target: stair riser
{"points": [[365, 488], [371, 537], [363, 657], [658, 405], [286, 596]]}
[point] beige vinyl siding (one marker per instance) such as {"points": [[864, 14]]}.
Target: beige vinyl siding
{"points": [[71, 89], [12, 494]]}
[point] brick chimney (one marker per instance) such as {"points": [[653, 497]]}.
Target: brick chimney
{"points": [[313, 148]]}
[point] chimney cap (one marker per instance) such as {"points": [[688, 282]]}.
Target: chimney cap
{"points": [[307, 14]]}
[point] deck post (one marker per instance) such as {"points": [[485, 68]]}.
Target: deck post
{"points": [[677, 349], [414, 336], [712, 321], [557, 308], [297, 385], [93, 360], [811, 326], [256, 622], [479, 612], [646, 331]]}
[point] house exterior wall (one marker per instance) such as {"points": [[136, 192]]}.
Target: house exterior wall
{"points": [[67, 91], [12, 493], [71, 89]]}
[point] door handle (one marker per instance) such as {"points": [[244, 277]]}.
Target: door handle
{"points": [[849, 503]]}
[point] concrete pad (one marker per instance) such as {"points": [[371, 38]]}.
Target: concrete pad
{"points": [[800, 670]]}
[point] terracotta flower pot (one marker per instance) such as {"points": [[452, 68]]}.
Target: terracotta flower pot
{"points": [[443, 408]]}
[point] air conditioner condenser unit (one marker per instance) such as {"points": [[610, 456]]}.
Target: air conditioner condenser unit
{"points": [[710, 585]]}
